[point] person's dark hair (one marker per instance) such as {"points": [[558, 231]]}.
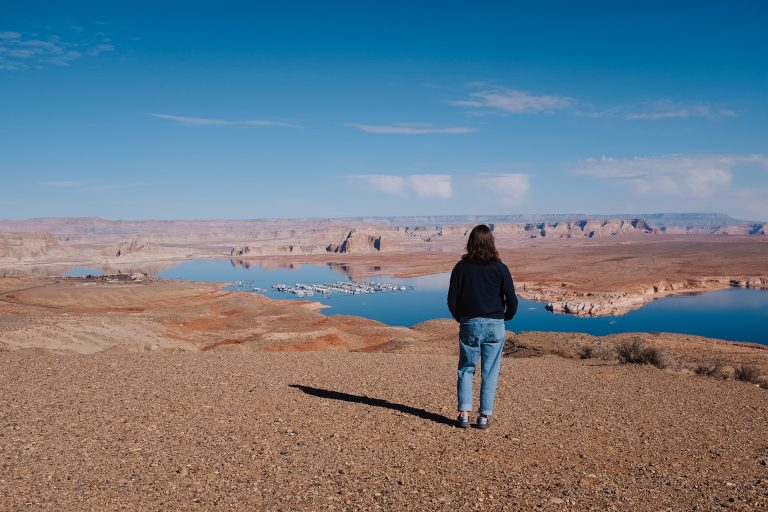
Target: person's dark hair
{"points": [[480, 246]]}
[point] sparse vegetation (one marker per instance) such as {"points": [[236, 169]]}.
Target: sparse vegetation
{"points": [[747, 373], [587, 352], [635, 351], [709, 369]]}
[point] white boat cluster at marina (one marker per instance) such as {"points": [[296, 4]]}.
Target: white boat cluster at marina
{"points": [[339, 287], [248, 286], [324, 289]]}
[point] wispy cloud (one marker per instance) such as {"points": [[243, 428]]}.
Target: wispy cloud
{"points": [[699, 176], [207, 121], [62, 184], [510, 188], [423, 185], [489, 99], [20, 52], [659, 110], [411, 128], [667, 109]]}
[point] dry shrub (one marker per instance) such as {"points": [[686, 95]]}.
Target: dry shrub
{"points": [[747, 373], [635, 351], [586, 352], [710, 369]]}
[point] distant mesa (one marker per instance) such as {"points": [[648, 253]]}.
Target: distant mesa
{"points": [[360, 242], [574, 229], [136, 250], [29, 246], [125, 243], [135, 247], [246, 251]]}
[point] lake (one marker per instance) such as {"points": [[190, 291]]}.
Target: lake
{"points": [[733, 314]]}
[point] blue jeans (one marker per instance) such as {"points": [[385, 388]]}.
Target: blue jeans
{"points": [[484, 338]]}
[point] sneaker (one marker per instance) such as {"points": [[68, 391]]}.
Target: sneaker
{"points": [[483, 422], [462, 421]]}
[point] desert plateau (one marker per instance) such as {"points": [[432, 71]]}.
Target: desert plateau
{"points": [[129, 390]]}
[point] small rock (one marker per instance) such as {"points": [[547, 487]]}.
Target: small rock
{"points": [[556, 501]]}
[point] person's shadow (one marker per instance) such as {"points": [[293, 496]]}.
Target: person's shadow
{"points": [[376, 402]]}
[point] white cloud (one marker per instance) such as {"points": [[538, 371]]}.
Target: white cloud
{"points": [[205, 121], [512, 188], [488, 99], [697, 176], [423, 185], [411, 129], [432, 185], [18, 52]]}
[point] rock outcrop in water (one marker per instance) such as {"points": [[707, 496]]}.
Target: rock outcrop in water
{"points": [[619, 303]]}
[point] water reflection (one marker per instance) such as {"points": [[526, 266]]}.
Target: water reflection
{"points": [[733, 314]]}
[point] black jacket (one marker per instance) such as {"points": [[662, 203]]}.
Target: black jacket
{"points": [[481, 289]]}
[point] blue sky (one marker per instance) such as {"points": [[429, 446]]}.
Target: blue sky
{"points": [[325, 109]]}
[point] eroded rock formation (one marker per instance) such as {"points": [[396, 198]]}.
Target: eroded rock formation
{"points": [[573, 229], [29, 246], [358, 242]]}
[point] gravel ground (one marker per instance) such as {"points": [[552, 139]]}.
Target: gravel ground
{"points": [[354, 431]]}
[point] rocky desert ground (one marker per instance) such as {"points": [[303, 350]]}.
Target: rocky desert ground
{"points": [[351, 431], [137, 393]]}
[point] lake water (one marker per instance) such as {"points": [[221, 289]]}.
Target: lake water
{"points": [[732, 314]]}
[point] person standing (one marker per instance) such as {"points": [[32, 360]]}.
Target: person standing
{"points": [[481, 297]]}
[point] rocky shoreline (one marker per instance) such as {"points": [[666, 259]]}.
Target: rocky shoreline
{"points": [[589, 303]]}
